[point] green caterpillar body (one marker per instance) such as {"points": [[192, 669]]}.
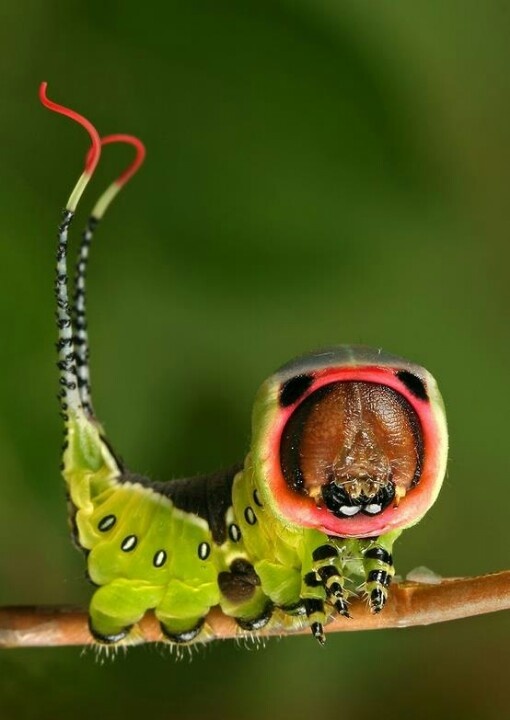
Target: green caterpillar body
{"points": [[185, 546], [348, 448], [146, 552]]}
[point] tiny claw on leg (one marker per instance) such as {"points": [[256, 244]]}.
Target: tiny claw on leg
{"points": [[334, 587], [379, 571], [342, 608], [318, 632], [377, 600], [315, 614]]}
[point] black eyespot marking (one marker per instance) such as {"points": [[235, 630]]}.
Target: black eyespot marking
{"points": [[159, 559], [234, 532], [129, 543], [204, 550], [106, 523], [256, 498], [250, 516], [413, 384], [292, 390]]}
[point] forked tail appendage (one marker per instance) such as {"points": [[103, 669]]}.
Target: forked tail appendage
{"points": [[84, 448], [81, 340]]}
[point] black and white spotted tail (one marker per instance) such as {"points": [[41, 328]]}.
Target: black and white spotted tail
{"points": [[72, 344]]}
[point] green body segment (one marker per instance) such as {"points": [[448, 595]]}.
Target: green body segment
{"points": [[145, 553]]}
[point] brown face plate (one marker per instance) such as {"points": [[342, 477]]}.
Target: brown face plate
{"points": [[358, 435]]}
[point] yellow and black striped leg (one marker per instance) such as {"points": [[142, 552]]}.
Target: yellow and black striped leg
{"points": [[334, 585], [326, 568], [313, 595], [316, 617], [323, 581], [379, 570], [314, 607]]}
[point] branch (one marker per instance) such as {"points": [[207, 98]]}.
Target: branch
{"points": [[409, 604]]}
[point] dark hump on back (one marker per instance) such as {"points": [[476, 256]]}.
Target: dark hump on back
{"points": [[208, 496]]}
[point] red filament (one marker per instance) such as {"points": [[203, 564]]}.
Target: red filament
{"points": [[95, 151], [139, 157]]}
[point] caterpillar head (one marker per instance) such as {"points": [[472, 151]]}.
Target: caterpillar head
{"points": [[351, 441]]}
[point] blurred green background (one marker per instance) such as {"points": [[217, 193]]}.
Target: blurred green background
{"points": [[318, 172]]}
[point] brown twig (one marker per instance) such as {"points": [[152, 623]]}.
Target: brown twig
{"points": [[409, 604]]}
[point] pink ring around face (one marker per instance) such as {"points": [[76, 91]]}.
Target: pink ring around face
{"points": [[303, 511]]}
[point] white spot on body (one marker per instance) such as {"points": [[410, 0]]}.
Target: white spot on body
{"points": [[106, 523], [204, 550], [129, 543], [159, 558], [234, 532], [250, 516]]}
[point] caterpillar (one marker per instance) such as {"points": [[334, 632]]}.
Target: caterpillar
{"points": [[348, 449]]}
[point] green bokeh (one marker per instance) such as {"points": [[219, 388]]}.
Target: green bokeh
{"points": [[318, 172]]}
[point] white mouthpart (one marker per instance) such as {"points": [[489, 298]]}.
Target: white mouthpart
{"points": [[373, 508], [350, 510]]}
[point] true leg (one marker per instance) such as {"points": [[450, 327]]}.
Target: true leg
{"points": [[378, 565]]}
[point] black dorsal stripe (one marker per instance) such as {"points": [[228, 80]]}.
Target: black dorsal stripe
{"points": [[208, 496]]}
